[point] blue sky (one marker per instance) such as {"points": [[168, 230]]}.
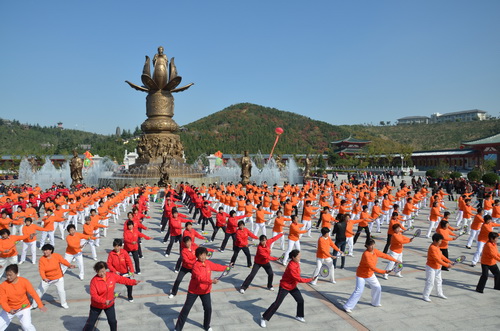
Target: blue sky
{"points": [[343, 62]]}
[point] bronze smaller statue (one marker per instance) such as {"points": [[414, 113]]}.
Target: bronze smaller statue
{"points": [[163, 169], [246, 169], [307, 168], [76, 166]]}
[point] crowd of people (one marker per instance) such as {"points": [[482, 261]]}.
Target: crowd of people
{"points": [[289, 213]]}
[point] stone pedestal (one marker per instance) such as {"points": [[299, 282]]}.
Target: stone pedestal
{"points": [[159, 129]]}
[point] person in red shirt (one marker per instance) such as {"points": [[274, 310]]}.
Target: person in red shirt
{"points": [[120, 263], [200, 286], [14, 299], [262, 259], [288, 284], [365, 274], [232, 225], [175, 229], [241, 243], [188, 259], [102, 295], [131, 240], [489, 262], [206, 216], [435, 260], [220, 222]]}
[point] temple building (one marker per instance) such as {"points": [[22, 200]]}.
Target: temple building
{"points": [[350, 146], [471, 154]]}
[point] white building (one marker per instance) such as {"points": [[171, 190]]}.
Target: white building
{"points": [[414, 120], [459, 116]]}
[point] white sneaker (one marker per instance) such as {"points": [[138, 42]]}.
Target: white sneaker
{"points": [[347, 310], [21, 262], [65, 305], [170, 296], [242, 291], [313, 283], [176, 271], [81, 277], [334, 282], [385, 276], [166, 255], [209, 329], [263, 323], [271, 289], [426, 299], [399, 275], [300, 319], [442, 296], [379, 305], [131, 300]]}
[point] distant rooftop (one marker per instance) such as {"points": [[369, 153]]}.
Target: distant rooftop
{"points": [[494, 139], [350, 139], [414, 118]]}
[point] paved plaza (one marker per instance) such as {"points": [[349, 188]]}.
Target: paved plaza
{"points": [[402, 304]]}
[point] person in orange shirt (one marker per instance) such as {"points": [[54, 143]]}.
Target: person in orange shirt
{"points": [[435, 260], [49, 268], [48, 225], [14, 299], [396, 248], [447, 232], [475, 227], [29, 229], [260, 220], [5, 220], [364, 219], [75, 241], [482, 238], [279, 224], [434, 217], [489, 262], [249, 208], [18, 221], [293, 238], [307, 215], [323, 255], [365, 274]]}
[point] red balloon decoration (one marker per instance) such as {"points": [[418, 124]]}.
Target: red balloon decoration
{"points": [[279, 130]]}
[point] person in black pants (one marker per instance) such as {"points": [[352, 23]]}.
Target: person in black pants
{"points": [[200, 286], [288, 284], [340, 240], [262, 259], [241, 243], [102, 289], [220, 218], [394, 218], [365, 216], [188, 259], [488, 263], [230, 231]]}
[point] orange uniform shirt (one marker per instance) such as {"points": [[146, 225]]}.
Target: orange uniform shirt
{"points": [[490, 254], [50, 268], [368, 264], [73, 242], [295, 231], [435, 258], [13, 296], [324, 245]]}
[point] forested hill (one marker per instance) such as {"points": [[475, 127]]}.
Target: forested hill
{"points": [[249, 127]]}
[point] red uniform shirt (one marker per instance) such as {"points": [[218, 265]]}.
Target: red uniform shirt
{"points": [[201, 279], [102, 289], [120, 262], [263, 255], [291, 277]]}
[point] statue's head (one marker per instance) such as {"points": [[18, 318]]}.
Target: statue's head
{"points": [[160, 50], [245, 153], [75, 153]]}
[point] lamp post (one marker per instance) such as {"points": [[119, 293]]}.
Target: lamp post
{"points": [[402, 158]]}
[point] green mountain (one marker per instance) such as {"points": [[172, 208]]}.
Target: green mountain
{"points": [[249, 127]]}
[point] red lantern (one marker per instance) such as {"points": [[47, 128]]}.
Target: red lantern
{"points": [[279, 130]]}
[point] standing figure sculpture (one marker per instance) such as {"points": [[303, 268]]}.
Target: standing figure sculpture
{"points": [[307, 168], [163, 169], [246, 169], [76, 166]]}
